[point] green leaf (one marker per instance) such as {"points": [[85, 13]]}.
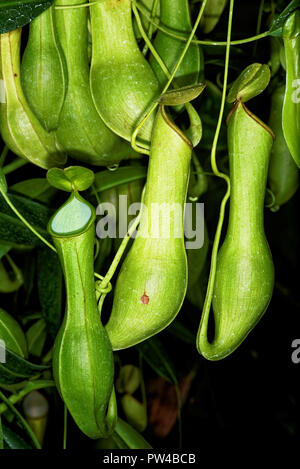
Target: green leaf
{"points": [[4, 249], [291, 28], [37, 188], [1, 435], [17, 13], [16, 369], [12, 229], [181, 95], [29, 387], [11, 334], [108, 179], [3, 183], [178, 330], [49, 280], [21, 420], [156, 356], [36, 337], [250, 83], [194, 132], [277, 25], [129, 379], [212, 14], [126, 437], [135, 411], [14, 441], [73, 178]]}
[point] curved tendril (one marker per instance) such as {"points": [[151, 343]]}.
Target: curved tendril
{"points": [[106, 280], [211, 281], [154, 105], [258, 25], [150, 29], [26, 223], [21, 419], [31, 386], [69, 7], [198, 41], [148, 42], [3, 155], [35, 232]]}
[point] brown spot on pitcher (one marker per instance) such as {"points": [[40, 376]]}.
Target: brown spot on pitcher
{"points": [[145, 298]]}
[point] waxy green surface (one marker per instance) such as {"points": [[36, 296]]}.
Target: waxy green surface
{"points": [[175, 15], [283, 172], [81, 130], [152, 282], [83, 360], [123, 84], [20, 128], [245, 272], [291, 105], [44, 75]]}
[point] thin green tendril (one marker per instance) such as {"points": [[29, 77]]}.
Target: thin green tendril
{"points": [[155, 104], [197, 41], [212, 274]]}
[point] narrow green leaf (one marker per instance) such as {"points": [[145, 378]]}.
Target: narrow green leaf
{"points": [[277, 25], [181, 95], [11, 334], [177, 329], [156, 356], [16, 369], [36, 337], [108, 179], [3, 183], [50, 281], [17, 13], [126, 437], [14, 441], [21, 420], [37, 188], [29, 387], [12, 229], [4, 249]]}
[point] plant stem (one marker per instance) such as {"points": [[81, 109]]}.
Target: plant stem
{"points": [[150, 29], [65, 427], [197, 41], [29, 226], [212, 274], [69, 7], [3, 155], [31, 386], [16, 164], [258, 26], [22, 420], [154, 105], [119, 253]]}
